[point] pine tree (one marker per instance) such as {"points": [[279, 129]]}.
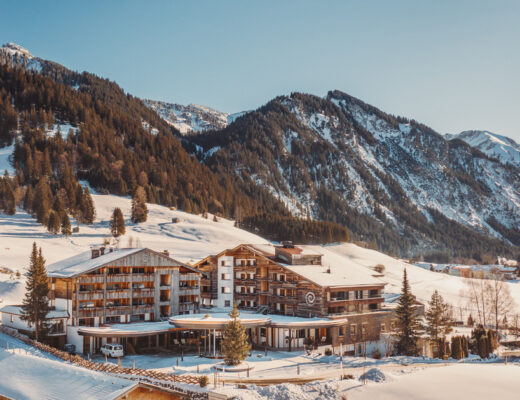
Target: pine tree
{"points": [[407, 324], [54, 222], [28, 199], [117, 223], [88, 211], [438, 316], [42, 201], [36, 303], [65, 225], [139, 209], [235, 345]]}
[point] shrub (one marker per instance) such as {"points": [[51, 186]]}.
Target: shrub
{"points": [[203, 381], [328, 351], [376, 354], [379, 268]]}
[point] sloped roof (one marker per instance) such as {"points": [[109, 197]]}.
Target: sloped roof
{"points": [[17, 310], [83, 262]]}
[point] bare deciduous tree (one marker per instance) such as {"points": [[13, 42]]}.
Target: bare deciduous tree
{"points": [[499, 297]]}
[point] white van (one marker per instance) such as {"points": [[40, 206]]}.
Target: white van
{"points": [[112, 350]]}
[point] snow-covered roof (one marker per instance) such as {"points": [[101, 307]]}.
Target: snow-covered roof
{"points": [[220, 320], [83, 262], [31, 377], [335, 271], [17, 310], [132, 329]]}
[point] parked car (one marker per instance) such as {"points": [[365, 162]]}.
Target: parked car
{"points": [[112, 350]]}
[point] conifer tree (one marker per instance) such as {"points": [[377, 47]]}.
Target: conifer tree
{"points": [[36, 303], [407, 324], [439, 318], [65, 225], [54, 223], [58, 206], [87, 208], [28, 199], [139, 209], [117, 223], [42, 201], [235, 345]]}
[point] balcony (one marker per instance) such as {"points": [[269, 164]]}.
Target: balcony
{"points": [[118, 278], [90, 312], [91, 279], [117, 310], [143, 277], [144, 292], [189, 277], [188, 306], [117, 294], [142, 309], [245, 282], [92, 295]]}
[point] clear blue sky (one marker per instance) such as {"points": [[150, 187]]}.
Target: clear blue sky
{"points": [[453, 65]]}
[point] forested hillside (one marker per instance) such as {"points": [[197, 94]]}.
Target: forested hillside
{"points": [[117, 144], [395, 183]]}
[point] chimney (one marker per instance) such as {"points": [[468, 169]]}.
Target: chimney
{"points": [[110, 249], [166, 253], [102, 250], [95, 253]]}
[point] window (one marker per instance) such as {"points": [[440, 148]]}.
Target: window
{"points": [[353, 329], [225, 277], [227, 303], [342, 330], [262, 332], [112, 320], [364, 329], [225, 289], [113, 271], [136, 270], [82, 322], [137, 285], [300, 334], [383, 328], [139, 317], [222, 263]]}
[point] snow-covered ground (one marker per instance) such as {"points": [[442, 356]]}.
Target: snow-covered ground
{"points": [[423, 282], [25, 376], [459, 381], [193, 238]]}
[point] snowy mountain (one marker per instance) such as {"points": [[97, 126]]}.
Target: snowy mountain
{"points": [[15, 55], [339, 159], [191, 118], [505, 149]]}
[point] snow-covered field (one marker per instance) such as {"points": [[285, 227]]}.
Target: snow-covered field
{"points": [[458, 381], [193, 238]]}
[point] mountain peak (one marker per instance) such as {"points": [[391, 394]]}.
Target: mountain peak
{"points": [[14, 48], [503, 148], [15, 55]]}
